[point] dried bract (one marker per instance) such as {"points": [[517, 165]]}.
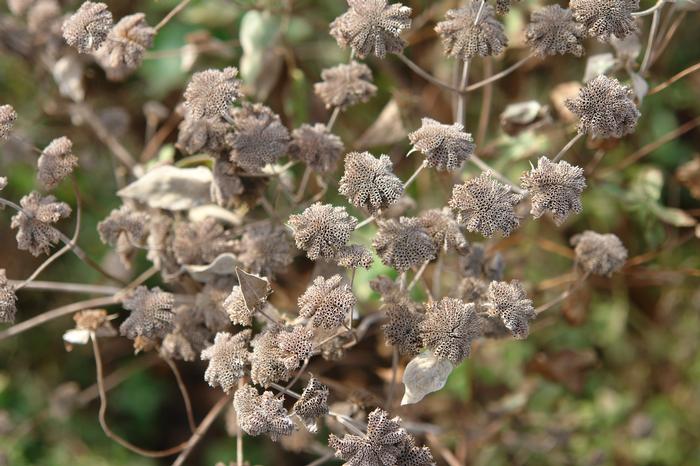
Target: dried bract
{"points": [[368, 182], [354, 256], [445, 147], [8, 300], [201, 242], [95, 320], [269, 362], [124, 224], [236, 308], [404, 243], [509, 302], [56, 162], [312, 404], [34, 231], [345, 85], [449, 327], [262, 414], [210, 93], [464, 37], [8, 116], [317, 147], [122, 52], [265, 248], [88, 27], [322, 230], [327, 302], [552, 30], [503, 6], [599, 254], [605, 18], [296, 340], [402, 326], [151, 313], [413, 455], [227, 358], [259, 137], [554, 188], [443, 229], [197, 135]]}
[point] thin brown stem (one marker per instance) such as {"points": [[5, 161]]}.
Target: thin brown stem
{"points": [[239, 435], [568, 146], [333, 118], [486, 101], [484, 167], [394, 374], [302, 186], [668, 34], [183, 391], [575, 285], [65, 287], [424, 74], [676, 77], [499, 75], [417, 276], [103, 134], [178, 8], [646, 61], [462, 101]]}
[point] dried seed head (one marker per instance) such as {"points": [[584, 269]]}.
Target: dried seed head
{"points": [[95, 320], [262, 414], [599, 254], [34, 231], [210, 93], [327, 302], [122, 52], [317, 147], [312, 404], [605, 108], [552, 30], [503, 6], [8, 300], [445, 147], [368, 182], [259, 137], [449, 327], [605, 18], [486, 206], [354, 256], [372, 27], [236, 308], [474, 263], [296, 340], [151, 313], [473, 290], [201, 242], [322, 230], [226, 187], [402, 326], [42, 16], [197, 135], [269, 362], [404, 243], [88, 27], [509, 302], [464, 38], [8, 116], [227, 358], [124, 224], [443, 229], [555, 188], [265, 248], [413, 455], [345, 85], [56, 162]]}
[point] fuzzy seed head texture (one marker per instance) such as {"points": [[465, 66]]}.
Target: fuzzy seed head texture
{"points": [[503, 6], [555, 188], [197, 135], [56, 162], [322, 230], [259, 137], [404, 243], [372, 27], [8, 116], [87, 28], [269, 362], [201, 242], [449, 327], [368, 182], [599, 254], [553, 30], [265, 248], [606, 18], [123, 50], [124, 223], [605, 108], [345, 85], [445, 147], [327, 302], [236, 308], [296, 340], [464, 37], [317, 147], [34, 231], [473, 290], [401, 329], [443, 229], [262, 414], [413, 455], [354, 256], [210, 93], [509, 302], [227, 358], [313, 403], [8, 300], [151, 313]]}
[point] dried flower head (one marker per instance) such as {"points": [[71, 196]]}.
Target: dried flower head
{"points": [[449, 327], [404, 243], [262, 414], [197, 135], [605, 108], [88, 27], [413, 455], [210, 93], [503, 6], [473, 290], [201, 242], [34, 231], [443, 229], [296, 340], [236, 308], [509, 302], [8, 300], [312, 404], [345, 85], [226, 187], [8, 116], [259, 137], [265, 248], [322, 230], [56, 162], [402, 326], [474, 263], [368, 182], [327, 302], [151, 313], [599, 254], [269, 362], [126, 229], [605, 18], [372, 27], [555, 188], [227, 358], [122, 52], [486, 206], [317, 147], [95, 320], [354, 256], [464, 37], [446, 147], [552, 30]]}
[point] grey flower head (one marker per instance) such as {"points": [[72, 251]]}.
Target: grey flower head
{"points": [[236, 308], [404, 243], [509, 302], [151, 313], [122, 52], [226, 187], [473, 290], [262, 414], [88, 27], [210, 93], [372, 27], [413, 455], [368, 182], [201, 242], [446, 147], [296, 340], [552, 30], [317, 147], [605, 18], [449, 327], [259, 137], [8, 116], [322, 230], [312, 404], [265, 248], [34, 231], [227, 358], [401, 329], [503, 6], [8, 300], [382, 445], [327, 302], [599, 254], [354, 256], [269, 362], [475, 263], [197, 135], [345, 85], [486, 206], [443, 228], [605, 108], [56, 162], [555, 188], [464, 37], [124, 224]]}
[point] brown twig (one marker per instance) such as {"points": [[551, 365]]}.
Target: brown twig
{"points": [[183, 391]]}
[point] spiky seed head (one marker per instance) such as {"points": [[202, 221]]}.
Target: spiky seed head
{"points": [[34, 231], [313, 403], [605, 108], [404, 243], [201, 242], [87, 28], [369, 182], [449, 327], [317, 147], [401, 329], [8, 300], [599, 254], [464, 37], [552, 30], [443, 229], [151, 313], [122, 52], [210, 93], [124, 224], [265, 248], [413, 455], [56, 162], [227, 358], [296, 340], [327, 302], [197, 135], [322, 230], [345, 85], [8, 116], [269, 362], [354, 256], [259, 137], [262, 414], [606, 18], [445, 147], [372, 27], [508, 302]]}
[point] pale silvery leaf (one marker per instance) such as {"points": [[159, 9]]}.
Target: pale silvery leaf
{"points": [[171, 188], [260, 63], [597, 65], [424, 374], [68, 74], [224, 264], [639, 85], [201, 213], [628, 48], [76, 337]]}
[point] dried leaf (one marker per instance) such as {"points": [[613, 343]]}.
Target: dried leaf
{"points": [[387, 129], [171, 188], [255, 289], [424, 374], [224, 264], [68, 74], [597, 65]]}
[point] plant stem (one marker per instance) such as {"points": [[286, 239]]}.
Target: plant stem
{"points": [[178, 8], [183, 391], [498, 75], [646, 62], [485, 168], [239, 435], [424, 74], [651, 10], [486, 101], [302, 186], [678, 76], [568, 146], [462, 101], [394, 373], [65, 287], [332, 119], [417, 276]]}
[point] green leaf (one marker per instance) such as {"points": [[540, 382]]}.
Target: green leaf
{"points": [[260, 64]]}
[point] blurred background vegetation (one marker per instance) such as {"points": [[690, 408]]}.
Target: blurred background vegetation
{"points": [[609, 377]]}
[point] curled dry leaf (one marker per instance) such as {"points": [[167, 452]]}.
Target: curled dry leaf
{"points": [[171, 188]]}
